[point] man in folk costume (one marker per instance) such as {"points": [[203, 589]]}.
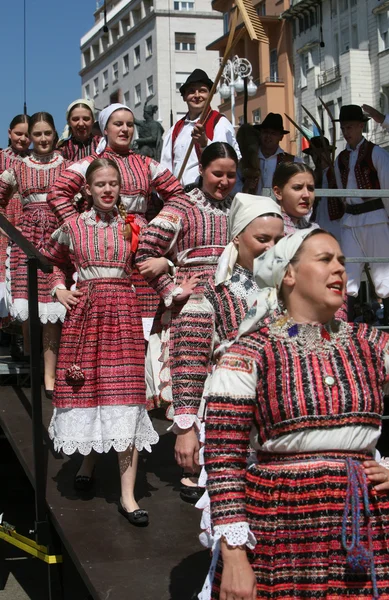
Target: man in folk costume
{"points": [[364, 227], [271, 133], [327, 212], [216, 128]]}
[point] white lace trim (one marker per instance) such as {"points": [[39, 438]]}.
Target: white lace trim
{"points": [[184, 422], [236, 534], [49, 312], [102, 428]]}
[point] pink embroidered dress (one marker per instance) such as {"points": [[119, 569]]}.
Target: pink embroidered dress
{"points": [[192, 233], [32, 177], [101, 339], [12, 211], [139, 176]]}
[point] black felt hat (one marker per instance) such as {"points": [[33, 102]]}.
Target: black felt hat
{"points": [[273, 121], [319, 143], [198, 76], [352, 112]]}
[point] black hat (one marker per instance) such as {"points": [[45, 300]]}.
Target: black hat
{"points": [[352, 112], [198, 76], [273, 121], [319, 143]]}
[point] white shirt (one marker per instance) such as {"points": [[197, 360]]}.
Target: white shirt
{"points": [[380, 159], [268, 166], [223, 132]]}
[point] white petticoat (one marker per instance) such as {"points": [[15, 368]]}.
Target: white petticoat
{"points": [[102, 428]]}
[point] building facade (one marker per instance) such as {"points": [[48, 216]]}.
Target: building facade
{"points": [[341, 55], [271, 66], [149, 50]]}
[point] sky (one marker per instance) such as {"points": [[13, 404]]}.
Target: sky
{"points": [[53, 32]]}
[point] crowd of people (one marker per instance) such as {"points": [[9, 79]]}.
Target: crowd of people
{"points": [[225, 298]]}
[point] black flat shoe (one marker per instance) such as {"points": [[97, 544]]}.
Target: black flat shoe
{"points": [[83, 483], [191, 493], [49, 394], [138, 517]]}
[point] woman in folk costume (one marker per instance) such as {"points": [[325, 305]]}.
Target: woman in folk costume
{"points": [[33, 177], [192, 233], [16, 151], [99, 394], [77, 139], [139, 176], [294, 188], [212, 318], [310, 518]]}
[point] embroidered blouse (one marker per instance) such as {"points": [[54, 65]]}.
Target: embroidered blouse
{"points": [[73, 150], [304, 388], [94, 243], [191, 232]]}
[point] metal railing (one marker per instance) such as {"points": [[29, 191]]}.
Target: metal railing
{"points": [[35, 261], [328, 76]]}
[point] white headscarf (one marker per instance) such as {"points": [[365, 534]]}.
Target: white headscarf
{"points": [[269, 272], [103, 120], [66, 134], [244, 209]]}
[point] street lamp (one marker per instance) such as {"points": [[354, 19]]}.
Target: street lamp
{"points": [[233, 74]]}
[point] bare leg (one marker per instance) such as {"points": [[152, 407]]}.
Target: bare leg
{"points": [[88, 464], [51, 337], [128, 463], [26, 337]]}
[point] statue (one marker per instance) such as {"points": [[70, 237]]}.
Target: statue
{"points": [[149, 142]]}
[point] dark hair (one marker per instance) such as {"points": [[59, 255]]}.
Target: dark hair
{"points": [[217, 150], [100, 163], [43, 117], [16, 121], [286, 170], [80, 105]]}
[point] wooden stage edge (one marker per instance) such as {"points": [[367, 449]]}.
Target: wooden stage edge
{"points": [[115, 560]]}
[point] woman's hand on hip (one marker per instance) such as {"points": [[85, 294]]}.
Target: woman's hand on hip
{"points": [[68, 298]]}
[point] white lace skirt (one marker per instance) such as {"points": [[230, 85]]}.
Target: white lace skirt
{"points": [[102, 428]]}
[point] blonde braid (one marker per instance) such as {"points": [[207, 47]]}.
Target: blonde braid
{"points": [[127, 229]]}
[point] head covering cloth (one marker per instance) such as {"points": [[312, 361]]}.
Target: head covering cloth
{"points": [[269, 273], [103, 120], [244, 209], [67, 132]]}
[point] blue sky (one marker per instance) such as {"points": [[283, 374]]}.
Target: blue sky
{"points": [[54, 29]]}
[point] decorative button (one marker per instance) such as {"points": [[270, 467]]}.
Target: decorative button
{"points": [[329, 380]]}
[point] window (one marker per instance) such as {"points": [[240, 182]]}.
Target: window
{"points": [[149, 47], [312, 18], [149, 86], [261, 9], [115, 72], [185, 42], [330, 125], [336, 48], [354, 36], [304, 66], [105, 80], [96, 86], [353, 2], [183, 5], [240, 120], [273, 65], [306, 21], [256, 115], [345, 40], [180, 79], [383, 39], [126, 66], [87, 92], [136, 56], [301, 25], [343, 5], [138, 95], [127, 98]]}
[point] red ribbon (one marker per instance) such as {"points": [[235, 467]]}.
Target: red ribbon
{"points": [[135, 228]]}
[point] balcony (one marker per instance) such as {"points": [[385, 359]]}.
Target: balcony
{"points": [[297, 7], [328, 76]]}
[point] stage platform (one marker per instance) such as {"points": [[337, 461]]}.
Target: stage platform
{"points": [[115, 560]]}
